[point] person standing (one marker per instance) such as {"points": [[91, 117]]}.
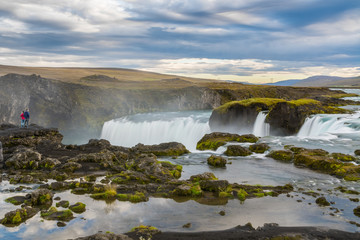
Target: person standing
{"points": [[22, 119], [27, 117]]}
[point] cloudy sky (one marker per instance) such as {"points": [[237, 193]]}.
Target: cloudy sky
{"points": [[245, 40]]}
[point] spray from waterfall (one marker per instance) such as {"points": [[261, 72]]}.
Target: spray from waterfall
{"points": [[261, 128]]}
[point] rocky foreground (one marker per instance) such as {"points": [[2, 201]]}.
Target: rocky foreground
{"points": [[36, 155]]}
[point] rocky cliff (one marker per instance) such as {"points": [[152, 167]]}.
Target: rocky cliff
{"points": [[79, 110]]}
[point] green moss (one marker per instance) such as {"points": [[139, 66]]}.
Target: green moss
{"points": [[134, 198], [304, 101], [78, 207], [242, 194], [281, 155], [259, 195], [216, 161], [17, 218], [43, 199], [13, 200], [143, 228], [211, 144], [196, 190], [343, 157], [247, 102], [225, 195]]}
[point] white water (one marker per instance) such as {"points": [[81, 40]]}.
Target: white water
{"points": [[154, 128], [332, 126], [261, 128]]}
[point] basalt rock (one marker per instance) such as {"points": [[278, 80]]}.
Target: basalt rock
{"points": [[237, 150], [214, 140], [18, 216], [259, 147], [281, 155], [216, 161], [163, 149]]}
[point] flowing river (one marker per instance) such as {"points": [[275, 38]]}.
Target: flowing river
{"points": [[333, 133]]}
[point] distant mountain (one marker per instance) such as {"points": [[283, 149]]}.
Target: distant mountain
{"points": [[284, 83], [320, 81]]}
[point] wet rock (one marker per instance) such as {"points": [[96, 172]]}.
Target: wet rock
{"points": [[22, 179], [214, 140], [187, 225], [78, 207], [163, 149], [357, 211], [237, 150], [16, 200], [214, 185], [24, 158], [281, 155], [71, 166], [216, 161], [61, 224], [18, 216], [105, 236], [57, 198], [259, 147], [54, 214], [222, 213], [343, 157], [40, 198], [144, 231], [203, 176], [357, 152], [321, 201], [63, 203]]}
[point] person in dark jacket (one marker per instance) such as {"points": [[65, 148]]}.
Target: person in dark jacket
{"points": [[27, 117]]}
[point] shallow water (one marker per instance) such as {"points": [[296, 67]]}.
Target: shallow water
{"points": [[297, 209]]}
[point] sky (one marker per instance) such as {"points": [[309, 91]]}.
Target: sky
{"points": [[255, 41]]}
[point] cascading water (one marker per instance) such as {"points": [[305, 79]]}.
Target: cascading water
{"points": [[332, 126], [261, 128], [154, 128]]}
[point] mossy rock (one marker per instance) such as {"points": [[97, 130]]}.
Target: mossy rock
{"points": [[203, 176], [343, 157], [315, 152], [357, 152], [242, 194], [18, 216], [321, 201], [214, 185], [320, 163], [54, 214], [214, 140], [237, 150], [78, 207], [134, 198], [281, 155], [188, 190], [143, 232], [16, 200], [216, 161], [259, 147], [63, 203], [357, 211]]}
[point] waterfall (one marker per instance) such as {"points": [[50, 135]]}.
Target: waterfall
{"points": [[261, 128], [331, 125], [154, 128]]}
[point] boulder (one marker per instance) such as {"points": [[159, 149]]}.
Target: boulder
{"points": [[78, 207], [24, 158], [54, 214], [18, 216], [203, 176], [214, 185], [163, 149], [40, 198], [343, 157], [259, 147], [281, 155], [237, 150], [357, 152], [63, 203], [216, 161], [321, 201], [214, 140]]}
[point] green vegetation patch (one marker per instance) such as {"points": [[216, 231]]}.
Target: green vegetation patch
{"points": [[78, 207], [250, 101]]}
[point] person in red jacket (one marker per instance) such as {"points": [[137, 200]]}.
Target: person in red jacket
{"points": [[22, 119]]}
